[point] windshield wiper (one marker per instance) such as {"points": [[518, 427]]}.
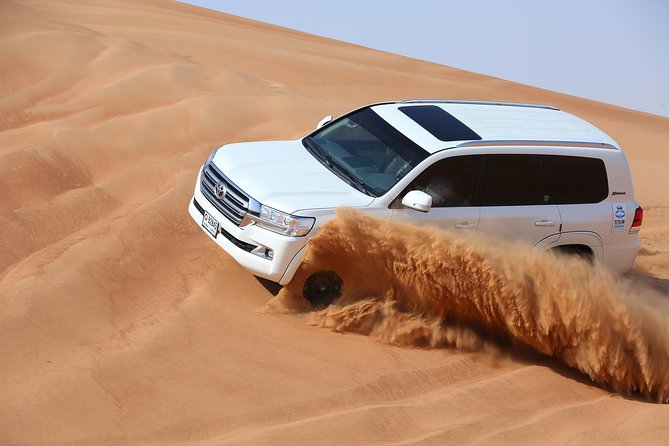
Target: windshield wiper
{"points": [[357, 182], [317, 150]]}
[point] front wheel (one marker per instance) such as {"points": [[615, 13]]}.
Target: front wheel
{"points": [[322, 287]]}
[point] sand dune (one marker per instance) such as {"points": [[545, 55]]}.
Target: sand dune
{"points": [[120, 323]]}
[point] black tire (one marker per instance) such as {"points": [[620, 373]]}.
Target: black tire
{"points": [[322, 287], [580, 251]]}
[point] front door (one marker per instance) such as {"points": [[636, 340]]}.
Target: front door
{"points": [[451, 183]]}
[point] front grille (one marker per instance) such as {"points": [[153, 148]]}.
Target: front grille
{"points": [[235, 203]]}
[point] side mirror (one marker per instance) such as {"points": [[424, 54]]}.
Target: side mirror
{"points": [[418, 200], [324, 121]]}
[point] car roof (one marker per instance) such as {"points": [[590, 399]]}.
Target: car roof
{"points": [[439, 124]]}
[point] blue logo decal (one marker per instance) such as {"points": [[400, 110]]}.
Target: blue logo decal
{"points": [[620, 212]]}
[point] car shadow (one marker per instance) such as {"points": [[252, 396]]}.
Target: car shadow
{"points": [[526, 355], [655, 283], [270, 286]]}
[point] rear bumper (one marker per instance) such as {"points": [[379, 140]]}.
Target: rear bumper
{"points": [[619, 257], [243, 243]]}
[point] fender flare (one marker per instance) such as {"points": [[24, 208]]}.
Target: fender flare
{"points": [[586, 238]]}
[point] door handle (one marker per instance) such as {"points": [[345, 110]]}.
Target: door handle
{"points": [[465, 225], [544, 223]]}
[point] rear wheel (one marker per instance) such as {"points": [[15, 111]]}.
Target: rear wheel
{"points": [[580, 251], [322, 287]]}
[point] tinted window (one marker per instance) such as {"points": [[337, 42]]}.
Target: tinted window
{"points": [[511, 180], [450, 182], [573, 179], [365, 151], [441, 124], [543, 179]]}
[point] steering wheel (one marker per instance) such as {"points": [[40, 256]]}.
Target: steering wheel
{"points": [[386, 160]]}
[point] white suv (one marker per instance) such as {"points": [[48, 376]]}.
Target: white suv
{"points": [[522, 171]]}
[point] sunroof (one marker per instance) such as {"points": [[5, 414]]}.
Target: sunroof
{"points": [[441, 124]]}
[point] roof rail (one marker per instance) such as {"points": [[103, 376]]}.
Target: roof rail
{"points": [[528, 142], [463, 101]]}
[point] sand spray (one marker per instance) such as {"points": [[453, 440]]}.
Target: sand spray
{"points": [[425, 287]]}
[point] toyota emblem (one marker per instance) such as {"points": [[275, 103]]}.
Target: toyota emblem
{"points": [[220, 190]]}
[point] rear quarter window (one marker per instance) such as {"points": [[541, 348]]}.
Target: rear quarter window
{"points": [[574, 179]]}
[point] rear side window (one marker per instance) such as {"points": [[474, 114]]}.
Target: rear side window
{"points": [[543, 179], [511, 180]]}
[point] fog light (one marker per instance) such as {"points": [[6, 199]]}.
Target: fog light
{"points": [[264, 252]]}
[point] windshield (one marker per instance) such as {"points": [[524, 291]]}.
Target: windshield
{"points": [[365, 151]]}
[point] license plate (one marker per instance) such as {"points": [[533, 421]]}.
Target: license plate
{"points": [[210, 224]]}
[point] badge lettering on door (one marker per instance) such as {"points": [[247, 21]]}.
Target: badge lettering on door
{"points": [[619, 216]]}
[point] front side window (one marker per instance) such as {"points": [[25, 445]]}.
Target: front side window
{"points": [[450, 182], [365, 151]]}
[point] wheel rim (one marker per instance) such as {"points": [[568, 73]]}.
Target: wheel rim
{"points": [[322, 288]]}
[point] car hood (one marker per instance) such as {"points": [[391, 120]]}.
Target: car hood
{"points": [[285, 176]]}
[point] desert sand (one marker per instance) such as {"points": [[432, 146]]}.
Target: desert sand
{"points": [[121, 323]]}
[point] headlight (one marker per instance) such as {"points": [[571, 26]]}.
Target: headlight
{"points": [[283, 223]]}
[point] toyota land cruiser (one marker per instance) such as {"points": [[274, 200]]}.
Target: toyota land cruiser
{"points": [[522, 171]]}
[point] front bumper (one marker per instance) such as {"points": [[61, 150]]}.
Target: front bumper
{"points": [[241, 243]]}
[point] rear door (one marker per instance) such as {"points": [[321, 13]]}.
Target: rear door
{"points": [[515, 203], [580, 186], [451, 182]]}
